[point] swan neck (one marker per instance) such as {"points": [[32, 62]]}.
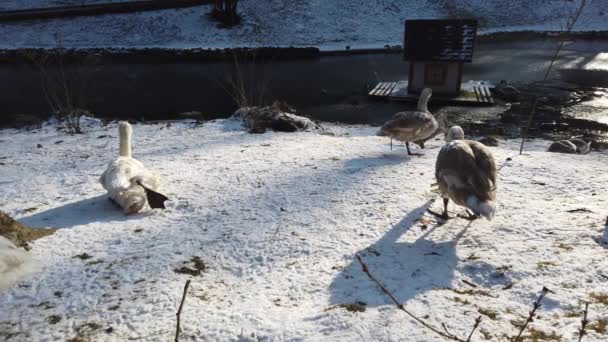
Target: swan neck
{"points": [[422, 103], [124, 142]]}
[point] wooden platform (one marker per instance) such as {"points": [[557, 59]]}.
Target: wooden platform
{"points": [[479, 95]]}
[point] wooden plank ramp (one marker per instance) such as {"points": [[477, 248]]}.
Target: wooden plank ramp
{"points": [[479, 95], [483, 94], [383, 89]]}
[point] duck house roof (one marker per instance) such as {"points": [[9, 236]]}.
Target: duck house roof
{"points": [[449, 40]]}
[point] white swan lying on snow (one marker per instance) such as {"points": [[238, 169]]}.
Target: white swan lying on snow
{"points": [[14, 263], [127, 180]]}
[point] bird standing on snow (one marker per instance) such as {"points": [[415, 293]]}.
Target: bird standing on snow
{"points": [[14, 263], [466, 174], [128, 182], [413, 126]]}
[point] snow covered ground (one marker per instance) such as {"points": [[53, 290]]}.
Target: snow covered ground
{"points": [[320, 23], [277, 219]]}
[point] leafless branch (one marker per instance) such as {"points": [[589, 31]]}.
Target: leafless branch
{"points": [[63, 84], [247, 85], [445, 334], [571, 20], [477, 321], [532, 314], [179, 311], [582, 331]]}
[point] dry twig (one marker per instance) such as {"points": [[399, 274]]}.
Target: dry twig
{"points": [[477, 321], [445, 334], [532, 314], [179, 311], [469, 283], [582, 331]]}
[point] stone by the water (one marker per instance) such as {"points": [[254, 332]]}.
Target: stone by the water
{"points": [[261, 119]]}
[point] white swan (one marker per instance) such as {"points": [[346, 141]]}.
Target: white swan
{"points": [[413, 126], [466, 174], [128, 182], [14, 263]]}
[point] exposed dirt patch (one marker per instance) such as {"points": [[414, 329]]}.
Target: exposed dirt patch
{"points": [[534, 335], [351, 307], [473, 292], [599, 326], [83, 256], [84, 332], [53, 319], [198, 267], [599, 298], [493, 315]]}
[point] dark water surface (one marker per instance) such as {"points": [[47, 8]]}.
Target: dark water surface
{"points": [[329, 88]]}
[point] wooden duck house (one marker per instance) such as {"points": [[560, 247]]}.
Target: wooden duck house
{"points": [[437, 50]]}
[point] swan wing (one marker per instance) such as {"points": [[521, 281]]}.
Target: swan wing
{"points": [[410, 121]]}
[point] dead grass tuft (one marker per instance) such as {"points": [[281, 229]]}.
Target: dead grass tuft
{"points": [[599, 298], [600, 326], [491, 314]]}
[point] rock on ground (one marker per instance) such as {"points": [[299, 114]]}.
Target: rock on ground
{"points": [[276, 118]]}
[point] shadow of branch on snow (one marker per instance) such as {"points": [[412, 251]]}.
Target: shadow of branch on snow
{"points": [[406, 269]]}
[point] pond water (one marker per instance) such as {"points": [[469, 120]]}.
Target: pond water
{"points": [[329, 88]]}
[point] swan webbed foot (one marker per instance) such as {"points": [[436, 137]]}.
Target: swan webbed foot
{"points": [[444, 216], [469, 216], [409, 153]]}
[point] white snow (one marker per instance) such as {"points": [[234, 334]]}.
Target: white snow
{"points": [[329, 25], [278, 218]]}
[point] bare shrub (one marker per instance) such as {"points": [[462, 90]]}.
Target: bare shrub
{"points": [[246, 81], [64, 84]]}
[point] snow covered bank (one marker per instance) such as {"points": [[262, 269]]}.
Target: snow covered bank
{"points": [[277, 218], [329, 25]]}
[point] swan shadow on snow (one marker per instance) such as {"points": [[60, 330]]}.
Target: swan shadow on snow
{"points": [[94, 209], [362, 163], [407, 269]]}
